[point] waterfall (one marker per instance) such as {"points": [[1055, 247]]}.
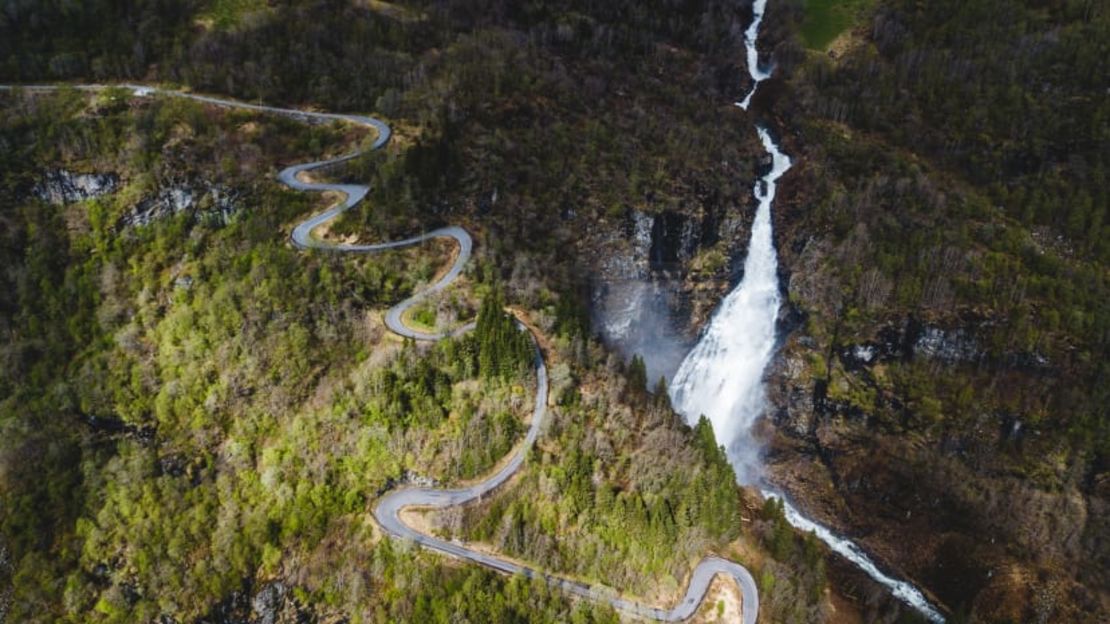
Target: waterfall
{"points": [[722, 377], [750, 36]]}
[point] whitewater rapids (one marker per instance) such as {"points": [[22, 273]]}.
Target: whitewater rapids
{"points": [[722, 377], [758, 74]]}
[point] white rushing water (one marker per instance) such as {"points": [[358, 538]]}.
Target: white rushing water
{"points": [[750, 36], [845, 548], [722, 377]]}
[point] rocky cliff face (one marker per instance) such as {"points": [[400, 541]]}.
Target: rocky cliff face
{"points": [[59, 186], [661, 276], [269, 603], [205, 201], [635, 307]]}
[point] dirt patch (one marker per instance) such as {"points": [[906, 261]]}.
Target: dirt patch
{"points": [[842, 610], [418, 519], [452, 256], [845, 43], [722, 603]]}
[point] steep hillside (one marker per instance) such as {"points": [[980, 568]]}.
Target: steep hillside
{"points": [[195, 418], [942, 391], [198, 417]]}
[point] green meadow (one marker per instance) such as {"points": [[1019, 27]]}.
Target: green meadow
{"points": [[826, 19]]}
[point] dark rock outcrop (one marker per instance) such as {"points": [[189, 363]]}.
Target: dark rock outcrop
{"points": [[207, 201], [661, 276], [267, 603], [271, 603], [60, 186]]}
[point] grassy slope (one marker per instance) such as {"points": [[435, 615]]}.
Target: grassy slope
{"points": [[227, 13], [825, 20]]}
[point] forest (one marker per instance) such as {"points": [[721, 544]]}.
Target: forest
{"points": [[954, 155], [197, 415], [980, 194], [191, 402], [194, 415]]}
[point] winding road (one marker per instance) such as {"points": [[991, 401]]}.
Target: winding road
{"points": [[388, 509]]}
